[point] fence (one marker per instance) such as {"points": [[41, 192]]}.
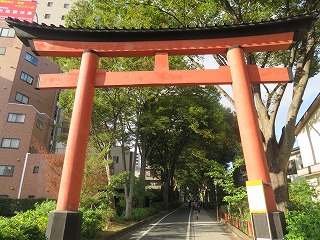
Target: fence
{"points": [[243, 225]]}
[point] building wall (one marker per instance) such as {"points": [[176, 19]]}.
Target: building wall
{"points": [[309, 140], [52, 11], [153, 180], [38, 112], [118, 162], [32, 182]]}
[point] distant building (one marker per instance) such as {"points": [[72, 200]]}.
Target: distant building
{"points": [[153, 179], [118, 163], [305, 160]]}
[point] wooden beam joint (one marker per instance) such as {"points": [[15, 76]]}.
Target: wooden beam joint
{"points": [[161, 62]]}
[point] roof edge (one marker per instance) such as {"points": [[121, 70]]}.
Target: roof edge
{"points": [[306, 116], [27, 31]]}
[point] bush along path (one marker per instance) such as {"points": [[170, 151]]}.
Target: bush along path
{"points": [[31, 224]]}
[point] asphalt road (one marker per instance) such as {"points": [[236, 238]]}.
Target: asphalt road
{"points": [[175, 225]]}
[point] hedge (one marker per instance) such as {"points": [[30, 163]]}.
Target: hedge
{"points": [[8, 206]]}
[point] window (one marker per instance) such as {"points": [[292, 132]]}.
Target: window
{"points": [[62, 17], [31, 196], [3, 50], [26, 77], [6, 32], [22, 98], [50, 4], [39, 124], [36, 169], [47, 16], [31, 59], [66, 5], [115, 159], [16, 117], [10, 143], [6, 171]]}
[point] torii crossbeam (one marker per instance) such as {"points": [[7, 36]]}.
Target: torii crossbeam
{"points": [[90, 44]]}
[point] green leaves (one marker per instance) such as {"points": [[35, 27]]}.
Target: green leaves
{"points": [[303, 213]]}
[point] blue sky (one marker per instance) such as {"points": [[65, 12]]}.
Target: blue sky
{"points": [[311, 92]]}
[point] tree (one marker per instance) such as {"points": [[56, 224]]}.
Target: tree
{"points": [[53, 167], [235, 196], [189, 120], [303, 58]]}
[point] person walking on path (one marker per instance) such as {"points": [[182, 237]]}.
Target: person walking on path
{"points": [[196, 209], [208, 229]]}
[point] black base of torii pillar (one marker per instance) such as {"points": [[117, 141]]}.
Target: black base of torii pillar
{"points": [[64, 225]]}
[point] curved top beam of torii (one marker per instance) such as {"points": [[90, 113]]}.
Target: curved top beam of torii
{"points": [[271, 35]]}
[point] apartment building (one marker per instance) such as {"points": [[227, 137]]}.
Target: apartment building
{"points": [[26, 117]]}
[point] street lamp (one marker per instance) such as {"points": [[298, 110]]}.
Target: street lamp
{"points": [[215, 182]]}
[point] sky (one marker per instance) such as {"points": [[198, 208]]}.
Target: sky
{"points": [[311, 92]]}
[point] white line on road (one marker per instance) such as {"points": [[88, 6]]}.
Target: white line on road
{"points": [[157, 223], [189, 224]]}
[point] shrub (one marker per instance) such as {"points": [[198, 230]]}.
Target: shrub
{"points": [[139, 214], [159, 206], [5, 207], [303, 215], [91, 224], [303, 224], [9, 231], [27, 225], [32, 223], [9, 206]]}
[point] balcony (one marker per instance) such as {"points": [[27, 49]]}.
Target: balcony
{"points": [[313, 169]]}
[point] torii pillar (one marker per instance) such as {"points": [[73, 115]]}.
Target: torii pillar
{"points": [[254, 155], [235, 41], [66, 219]]}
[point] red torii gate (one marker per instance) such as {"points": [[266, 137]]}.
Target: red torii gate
{"points": [[90, 44]]}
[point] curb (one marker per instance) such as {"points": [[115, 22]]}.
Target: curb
{"points": [[134, 227]]}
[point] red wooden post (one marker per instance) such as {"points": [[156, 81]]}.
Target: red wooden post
{"points": [[255, 159], [249, 226], [229, 218], [71, 179], [237, 222]]}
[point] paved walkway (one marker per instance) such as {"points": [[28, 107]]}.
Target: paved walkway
{"points": [[205, 228]]}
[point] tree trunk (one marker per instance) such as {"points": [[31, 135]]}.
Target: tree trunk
{"points": [[132, 170], [143, 159], [166, 184], [278, 158]]}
